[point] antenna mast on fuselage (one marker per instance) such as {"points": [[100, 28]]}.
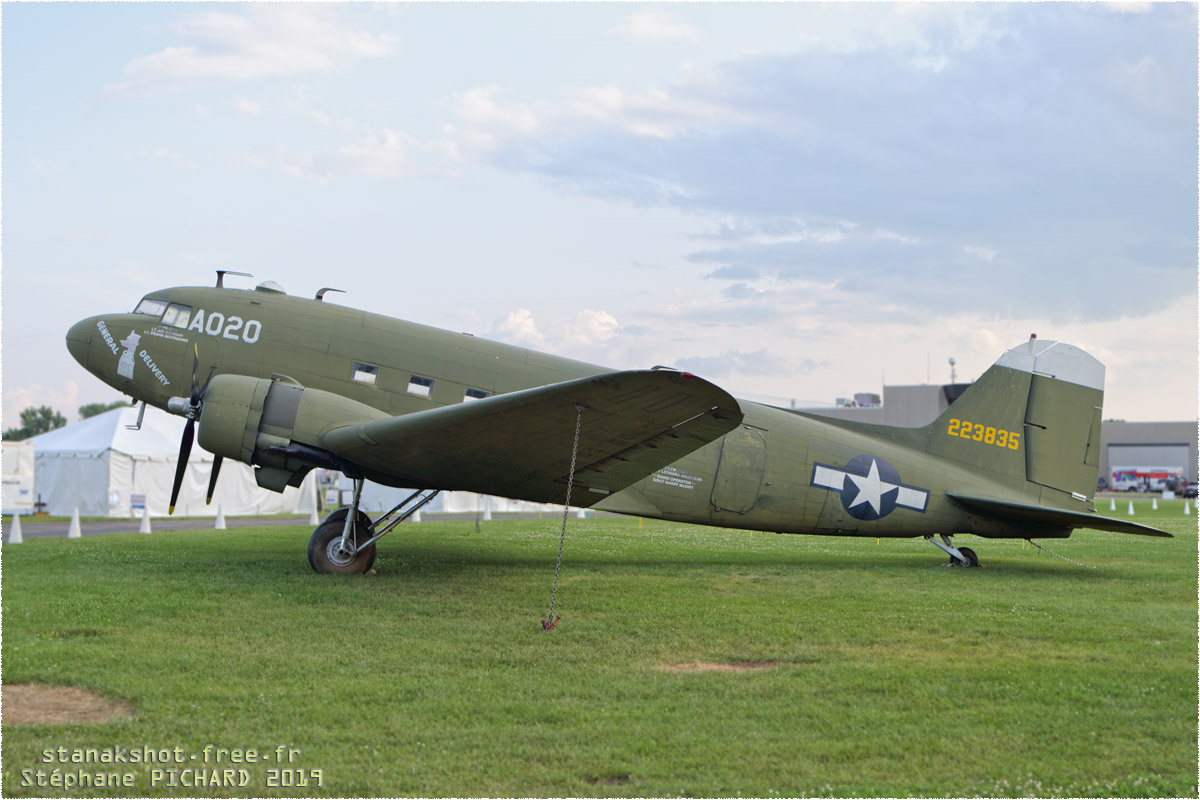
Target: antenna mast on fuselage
{"points": [[221, 273]]}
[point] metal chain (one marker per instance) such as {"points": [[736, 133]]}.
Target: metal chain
{"points": [[550, 621], [1056, 555]]}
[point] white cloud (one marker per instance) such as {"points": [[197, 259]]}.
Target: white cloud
{"points": [[925, 36], [484, 123], [652, 26], [902, 238], [654, 113], [63, 398], [823, 235], [388, 154], [267, 41], [758, 362], [582, 335], [942, 170], [383, 155], [590, 327], [247, 106], [1128, 7], [477, 107], [518, 327], [980, 252]]}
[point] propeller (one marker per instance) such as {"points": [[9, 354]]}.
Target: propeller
{"points": [[212, 479], [190, 407]]}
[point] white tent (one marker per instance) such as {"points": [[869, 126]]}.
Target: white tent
{"points": [[17, 458], [378, 498], [104, 469]]}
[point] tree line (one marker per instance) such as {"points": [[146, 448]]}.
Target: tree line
{"points": [[43, 419]]}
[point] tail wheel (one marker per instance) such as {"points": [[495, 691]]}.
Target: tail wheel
{"points": [[325, 552]]}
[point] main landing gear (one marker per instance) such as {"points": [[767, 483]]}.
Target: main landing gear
{"points": [[959, 556], [328, 553], [345, 541]]}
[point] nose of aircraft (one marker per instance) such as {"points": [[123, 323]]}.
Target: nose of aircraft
{"points": [[79, 340]]}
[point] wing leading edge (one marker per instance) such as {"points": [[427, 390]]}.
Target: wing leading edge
{"points": [[1040, 515], [519, 444]]}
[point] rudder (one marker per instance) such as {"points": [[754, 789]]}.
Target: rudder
{"points": [[1033, 416]]}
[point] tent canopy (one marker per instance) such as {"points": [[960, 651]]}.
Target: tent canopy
{"points": [[102, 468], [160, 435]]}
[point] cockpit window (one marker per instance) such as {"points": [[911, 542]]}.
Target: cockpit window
{"points": [[150, 307], [177, 316]]}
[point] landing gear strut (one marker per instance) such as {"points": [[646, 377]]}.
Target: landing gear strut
{"points": [[345, 541], [959, 556]]}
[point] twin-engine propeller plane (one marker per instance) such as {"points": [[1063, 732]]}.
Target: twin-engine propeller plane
{"points": [[290, 384]]}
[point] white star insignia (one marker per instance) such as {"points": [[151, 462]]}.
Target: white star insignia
{"points": [[870, 488]]}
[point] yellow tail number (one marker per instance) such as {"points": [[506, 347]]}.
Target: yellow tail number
{"points": [[986, 434]]}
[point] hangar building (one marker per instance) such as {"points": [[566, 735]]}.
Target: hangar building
{"points": [[1162, 445]]}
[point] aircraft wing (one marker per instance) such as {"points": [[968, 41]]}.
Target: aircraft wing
{"points": [[519, 444], [1040, 515]]}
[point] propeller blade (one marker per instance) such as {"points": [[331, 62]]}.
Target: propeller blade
{"points": [[196, 376], [212, 480], [185, 450], [207, 381], [189, 432]]}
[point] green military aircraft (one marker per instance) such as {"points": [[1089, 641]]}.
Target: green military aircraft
{"points": [[292, 384]]}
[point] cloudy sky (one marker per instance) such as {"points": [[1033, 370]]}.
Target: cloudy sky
{"points": [[797, 201]]}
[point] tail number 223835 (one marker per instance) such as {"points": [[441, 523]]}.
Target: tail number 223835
{"points": [[975, 432]]}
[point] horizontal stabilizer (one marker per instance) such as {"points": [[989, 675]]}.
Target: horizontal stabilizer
{"points": [[1041, 515], [519, 444]]}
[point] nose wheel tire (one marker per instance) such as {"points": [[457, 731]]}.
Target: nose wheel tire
{"points": [[325, 552]]}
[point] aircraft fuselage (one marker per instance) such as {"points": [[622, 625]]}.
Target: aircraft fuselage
{"points": [[778, 471]]}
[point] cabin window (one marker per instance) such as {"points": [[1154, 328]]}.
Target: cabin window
{"points": [[474, 394], [365, 373], [422, 387], [177, 316], [152, 308]]}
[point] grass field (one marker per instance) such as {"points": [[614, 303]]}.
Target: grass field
{"points": [[689, 661]]}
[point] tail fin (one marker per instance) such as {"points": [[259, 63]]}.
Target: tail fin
{"points": [[1034, 416]]}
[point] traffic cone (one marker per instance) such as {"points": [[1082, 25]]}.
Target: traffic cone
{"points": [[580, 513], [74, 532], [220, 524], [14, 535], [1112, 504], [145, 520], [1187, 511], [1154, 504], [416, 515], [1131, 508], [312, 518]]}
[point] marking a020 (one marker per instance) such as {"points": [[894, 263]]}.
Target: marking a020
{"points": [[234, 328]]}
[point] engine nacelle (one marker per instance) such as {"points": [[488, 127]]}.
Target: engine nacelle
{"points": [[275, 425]]}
